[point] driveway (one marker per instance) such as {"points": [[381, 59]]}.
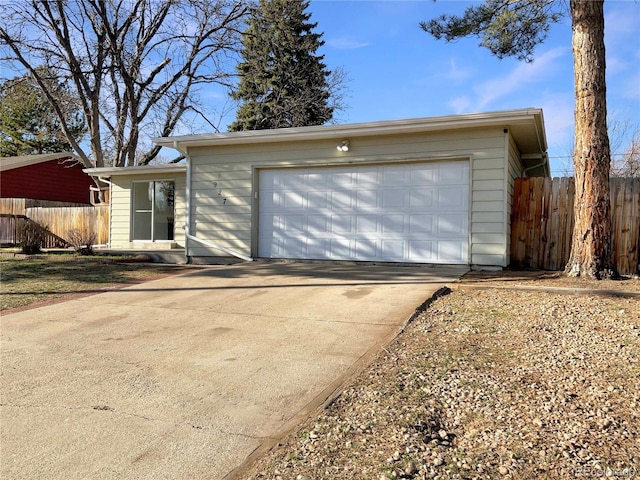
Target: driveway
{"points": [[185, 377]]}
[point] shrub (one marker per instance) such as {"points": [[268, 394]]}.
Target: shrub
{"points": [[82, 241], [31, 236]]}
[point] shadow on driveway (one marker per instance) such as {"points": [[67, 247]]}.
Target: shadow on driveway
{"points": [[186, 376]]}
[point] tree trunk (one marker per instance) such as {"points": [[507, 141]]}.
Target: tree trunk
{"points": [[590, 248]]}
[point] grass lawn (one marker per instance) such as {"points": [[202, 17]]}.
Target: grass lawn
{"points": [[27, 281]]}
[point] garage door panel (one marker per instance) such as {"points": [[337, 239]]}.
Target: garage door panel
{"points": [[296, 246], [365, 249], [392, 250], [318, 180], [318, 224], [294, 224], [294, 199], [392, 223], [394, 175], [268, 202], [341, 200], [420, 198], [268, 180], [421, 224], [317, 200], [340, 249], [342, 179], [316, 248], [295, 180], [393, 198], [421, 251], [453, 173], [424, 175], [367, 224], [450, 250], [451, 225], [367, 199], [270, 247], [367, 177], [341, 224], [452, 199], [396, 213]]}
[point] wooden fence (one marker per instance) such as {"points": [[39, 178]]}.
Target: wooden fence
{"points": [[58, 217], [18, 206], [61, 220], [542, 223], [11, 226]]}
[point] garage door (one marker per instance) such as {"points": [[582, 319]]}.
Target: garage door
{"points": [[414, 212]]}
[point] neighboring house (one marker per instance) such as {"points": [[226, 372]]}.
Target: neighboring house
{"points": [[55, 177], [429, 190]]}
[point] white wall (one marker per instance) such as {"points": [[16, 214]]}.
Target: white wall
{"points": [[120, 226], [224, 180]]}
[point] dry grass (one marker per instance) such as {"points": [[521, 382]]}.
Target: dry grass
{"points": [[487, 383], [31, 282]]}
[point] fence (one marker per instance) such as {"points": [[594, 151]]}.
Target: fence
{"points": [[542, 223], [58, 217], [12, 226], [60, 220], [18, 206], [9, 228]]}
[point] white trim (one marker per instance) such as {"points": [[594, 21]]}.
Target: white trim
{"points": [[132, 211], [506, 172], [471, 160], [139, 170], [530, 116]]}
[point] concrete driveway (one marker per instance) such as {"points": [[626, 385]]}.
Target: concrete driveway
{"points": [[185, 377]]}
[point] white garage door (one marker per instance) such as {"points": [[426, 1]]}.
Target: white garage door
{"points": [[393, 213]]}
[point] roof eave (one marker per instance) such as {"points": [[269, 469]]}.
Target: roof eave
{"points": [[139, 170], [323, 132], [11, 163]]}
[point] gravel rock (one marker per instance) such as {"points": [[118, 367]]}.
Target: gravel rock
{"points": [[487, 384]]}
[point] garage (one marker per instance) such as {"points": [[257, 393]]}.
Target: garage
{"points": [[404, 212], [433, 190]]}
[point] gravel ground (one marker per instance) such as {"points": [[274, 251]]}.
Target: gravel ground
{"points": [[487, 383]]}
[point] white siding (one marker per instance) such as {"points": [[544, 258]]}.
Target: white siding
{"points": [[223, 213], [120, 228]]}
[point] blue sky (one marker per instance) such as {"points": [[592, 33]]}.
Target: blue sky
{"points": [[398, 71]]}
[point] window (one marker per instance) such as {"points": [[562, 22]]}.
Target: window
{"points": [[153, 210]]}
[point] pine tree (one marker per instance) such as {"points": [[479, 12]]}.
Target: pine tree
{"points": [[514, 28], [28, 123], [283, 81]]}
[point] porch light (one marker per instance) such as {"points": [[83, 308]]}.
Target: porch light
{"points": [[344, 146]]}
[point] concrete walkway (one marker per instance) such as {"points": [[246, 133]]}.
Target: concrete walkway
{"points": [[185, 377]]}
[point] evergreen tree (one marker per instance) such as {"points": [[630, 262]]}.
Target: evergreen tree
{"points": [[28, 123], [514, 28], [283, 81]]}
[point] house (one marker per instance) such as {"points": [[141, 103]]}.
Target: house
{"points": [[56, 177], [147, 206], [427, 190]]}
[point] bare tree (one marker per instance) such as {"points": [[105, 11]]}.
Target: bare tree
{"points": [[625, 162], [135, 65]]}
